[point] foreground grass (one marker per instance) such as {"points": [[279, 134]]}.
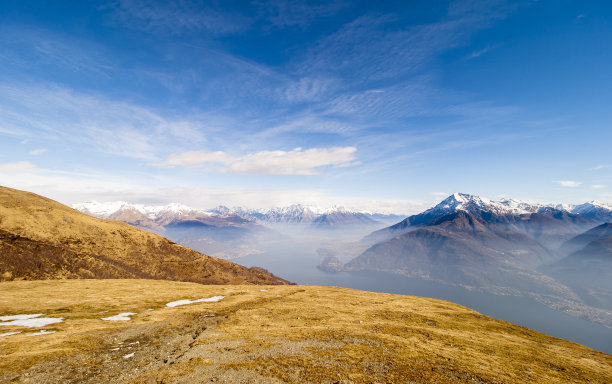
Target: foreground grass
{"points": [[280, 334]]}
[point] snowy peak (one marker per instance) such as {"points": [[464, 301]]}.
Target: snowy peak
{"points": [[594, 210], [108, 209], [471, 203]]}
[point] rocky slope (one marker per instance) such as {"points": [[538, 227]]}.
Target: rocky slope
{"points": [[42, 239], [282, 334]]}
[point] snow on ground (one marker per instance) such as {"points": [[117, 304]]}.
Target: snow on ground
{"points": [[263, 290], [187, 301], [8, 334], [128, 355], [125, 316], [41, 332], [29, 320]]}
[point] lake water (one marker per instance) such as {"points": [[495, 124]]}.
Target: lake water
{"points": [[297, 263]]}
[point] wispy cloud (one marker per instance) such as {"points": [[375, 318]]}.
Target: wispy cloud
{"points": [[295, 162], [32, 48], [37, 151], [282, 13], [599, 167], [569, 183], [176, 17], [599, 186], [107, 126]]}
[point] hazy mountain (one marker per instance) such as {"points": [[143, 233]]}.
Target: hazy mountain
{"points": [[497, 246], [342, 218], [462, 248], [587, 270], [582, 240], [224, 234], [335, 217], [42, 239]]}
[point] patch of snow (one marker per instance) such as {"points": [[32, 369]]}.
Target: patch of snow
{"points": [[41, 332], [19, 317], [187, 301], [29, 320], [8, 334], [134, 343], [125, 316], [128, 355], [114, 349], [263, 290]]}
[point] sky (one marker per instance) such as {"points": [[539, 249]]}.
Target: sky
{"points": [[384, 106]]}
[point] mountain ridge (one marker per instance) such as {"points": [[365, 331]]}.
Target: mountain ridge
{"points": [[43, 239]]}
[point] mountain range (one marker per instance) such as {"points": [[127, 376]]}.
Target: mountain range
{"points": [[43, 239], [505, 247]]}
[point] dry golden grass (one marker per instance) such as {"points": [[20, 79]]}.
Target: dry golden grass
{"points": [[284, 334], [43, 239]]}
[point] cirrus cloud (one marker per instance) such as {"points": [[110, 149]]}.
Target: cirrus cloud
{"points": [[295, 162]]}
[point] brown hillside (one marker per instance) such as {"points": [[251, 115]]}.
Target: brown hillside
{"points": [[281, 334], [43, 239]]}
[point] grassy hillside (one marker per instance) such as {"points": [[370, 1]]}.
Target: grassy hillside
{"points": [[43, 239], [294, 334]]}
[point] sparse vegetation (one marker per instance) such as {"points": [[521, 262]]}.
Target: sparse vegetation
{"points": [[284, 334]]}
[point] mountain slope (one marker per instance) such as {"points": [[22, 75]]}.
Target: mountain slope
{"points": [[42, 239], [463, 249], [594, 210], [588, 271], [295, 334], [582, 240], [548, 225]]}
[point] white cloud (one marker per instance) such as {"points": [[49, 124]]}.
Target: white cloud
{"points": [[19, 166], [37, 151], [194, 159], [295, 162], [569, 183], [598, 186]]}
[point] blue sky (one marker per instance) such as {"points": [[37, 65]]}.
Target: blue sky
{"points": [[384, 106]]}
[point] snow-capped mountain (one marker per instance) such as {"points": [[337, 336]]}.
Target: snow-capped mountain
{"points": [[106, 210], [334, 216], [505, 210], [594, 210]]}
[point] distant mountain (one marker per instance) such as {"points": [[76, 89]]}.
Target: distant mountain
{"points": [[547, 224], [341, 217], [464, 249], [335, 217], [588, 270], [224, 235], [505, 247], [42, 239], [579, 242], [594, 210]]}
